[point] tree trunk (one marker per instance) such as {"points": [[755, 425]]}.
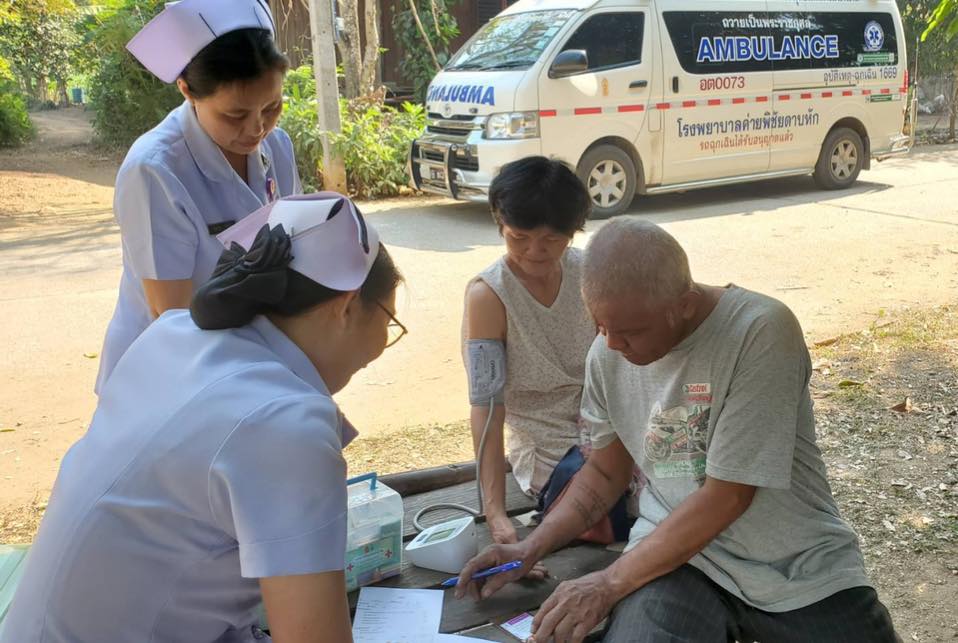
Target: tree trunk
{"points": [[350, 48], [425, 36], [63, 98], [954, 108], [370, 75]]}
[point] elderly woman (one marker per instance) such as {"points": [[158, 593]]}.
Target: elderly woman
{"points": [[211, 477], [526, 311]]}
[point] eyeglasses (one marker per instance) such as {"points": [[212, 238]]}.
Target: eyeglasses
{"points": [[395, 330]]}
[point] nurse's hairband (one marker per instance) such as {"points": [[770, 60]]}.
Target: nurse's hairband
{"points": [[168, 43], [330, 240]]}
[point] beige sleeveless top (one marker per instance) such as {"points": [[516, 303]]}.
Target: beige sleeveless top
{"points": [[546, 347]]}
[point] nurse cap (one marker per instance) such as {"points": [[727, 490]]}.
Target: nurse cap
{"points": [[331, 243], [168, 43]]}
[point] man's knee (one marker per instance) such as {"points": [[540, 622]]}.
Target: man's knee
{"points": [[682, 605]]}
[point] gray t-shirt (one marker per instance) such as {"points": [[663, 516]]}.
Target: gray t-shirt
{"points": [[732, 402]]}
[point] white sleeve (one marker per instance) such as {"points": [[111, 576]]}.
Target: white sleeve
{"points": [[278, 485], [594, 409], [159, 238]]}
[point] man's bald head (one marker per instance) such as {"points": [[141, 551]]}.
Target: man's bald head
{"points": [[629, 258]]}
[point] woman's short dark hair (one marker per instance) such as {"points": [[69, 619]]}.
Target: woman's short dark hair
{"points": [[536, 191], [237, 56]]}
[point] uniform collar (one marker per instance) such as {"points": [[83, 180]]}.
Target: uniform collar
{"points": [[207, 154], [289, 353], [296, 360]]}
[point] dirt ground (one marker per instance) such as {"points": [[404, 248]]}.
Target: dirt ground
{"points": [[885, 250]]}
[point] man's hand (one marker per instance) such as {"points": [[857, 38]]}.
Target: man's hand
{"points": [[574, 608], [502, 531], [492, 556]]}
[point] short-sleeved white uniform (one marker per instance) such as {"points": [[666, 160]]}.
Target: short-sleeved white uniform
{"points": [[174, 192], [213, 459]]}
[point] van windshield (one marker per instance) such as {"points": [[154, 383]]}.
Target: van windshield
{"points": [[510, 42]]}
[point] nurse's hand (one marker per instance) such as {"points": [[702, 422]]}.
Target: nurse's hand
{"points": [[492, 556]]}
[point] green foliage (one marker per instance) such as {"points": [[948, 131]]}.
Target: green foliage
{"points": [[15, 125], [945, 17], [36, 44], [935, 55], [300, 121], [442, 29], [127, 99], [374, 141]]}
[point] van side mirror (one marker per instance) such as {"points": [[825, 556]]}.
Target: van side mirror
{"points": [[569, 62]]}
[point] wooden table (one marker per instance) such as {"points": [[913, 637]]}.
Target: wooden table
{"points": [[478, 619]]}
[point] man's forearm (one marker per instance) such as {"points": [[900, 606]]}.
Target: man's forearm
{"points": [[686, 531], [588, 498]]}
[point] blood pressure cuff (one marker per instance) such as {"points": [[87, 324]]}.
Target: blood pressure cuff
{"points": [[486, 367]]}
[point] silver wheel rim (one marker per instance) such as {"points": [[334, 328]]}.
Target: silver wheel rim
{"points": [[607, 183], [844, 160]]}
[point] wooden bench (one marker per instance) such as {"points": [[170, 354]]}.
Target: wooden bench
{"points": [[478, 619]]}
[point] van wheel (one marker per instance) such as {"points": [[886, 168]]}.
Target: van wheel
{"points": [[609, 176], [841, 159]]}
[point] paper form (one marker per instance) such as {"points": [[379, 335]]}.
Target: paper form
{"points": [[520, 626], [388, 615]]}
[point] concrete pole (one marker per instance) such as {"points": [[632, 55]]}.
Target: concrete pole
{"points": [[327, 91]]}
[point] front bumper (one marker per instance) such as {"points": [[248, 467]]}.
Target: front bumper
{"points": [[448, 168], [453, 159]]}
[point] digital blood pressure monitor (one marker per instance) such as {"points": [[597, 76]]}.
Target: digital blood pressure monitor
{"points": [[445, 547]]}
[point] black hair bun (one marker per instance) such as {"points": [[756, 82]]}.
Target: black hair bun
{"points": [[244, 283]]}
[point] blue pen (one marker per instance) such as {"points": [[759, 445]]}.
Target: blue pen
{"points": [[492, 571]]}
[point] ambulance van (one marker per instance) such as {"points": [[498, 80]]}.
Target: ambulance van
{"points": [[653, 96]]}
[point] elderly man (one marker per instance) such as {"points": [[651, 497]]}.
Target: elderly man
{"points": [[739, 538]]}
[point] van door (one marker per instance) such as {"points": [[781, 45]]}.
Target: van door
{"points": [[830, 64], [608, 99], [718, 83]]}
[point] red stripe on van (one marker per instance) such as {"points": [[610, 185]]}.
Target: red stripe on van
{"points": [[545, 113], [586, 111], [784, 97], [761, 99], [902, 90], [886, 91], [715, 101], [631, 108], [806, 96], [663, 105], [738, 101], [688, 103], [826, 94], [866, 92], [848, 92]]}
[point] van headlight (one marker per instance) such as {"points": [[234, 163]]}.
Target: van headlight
{"points": [[513, 125]]}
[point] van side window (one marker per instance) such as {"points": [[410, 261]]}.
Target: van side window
{"points": [[727, 42], [610, 39]]}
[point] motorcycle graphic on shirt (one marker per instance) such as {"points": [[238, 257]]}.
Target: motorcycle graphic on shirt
{"points": [[676, 440]]}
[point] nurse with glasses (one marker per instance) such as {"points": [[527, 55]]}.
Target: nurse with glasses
{"points": [[211, 477]]}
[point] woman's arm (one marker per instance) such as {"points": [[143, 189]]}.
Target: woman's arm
{"points": [[311, 608], [163, 295], [484, 317]]}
